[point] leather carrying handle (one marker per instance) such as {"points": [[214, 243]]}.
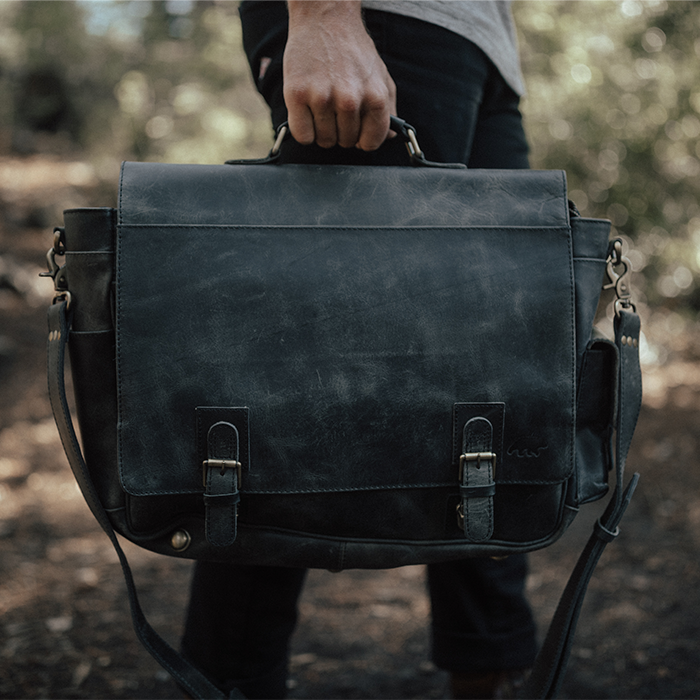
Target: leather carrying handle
{"points": [[403, 130], [548, 672]]}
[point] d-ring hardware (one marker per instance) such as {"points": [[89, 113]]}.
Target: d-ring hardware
{"points": [[412, 145], [281, 134]]}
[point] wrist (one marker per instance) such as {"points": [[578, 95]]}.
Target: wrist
{"points": [[324, 11]]}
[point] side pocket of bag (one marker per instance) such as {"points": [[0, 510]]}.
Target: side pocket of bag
{"points": [[89, 234], [595, 420]]}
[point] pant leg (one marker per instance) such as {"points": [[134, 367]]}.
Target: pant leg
{"points": [[481, 619], [239, 623]]}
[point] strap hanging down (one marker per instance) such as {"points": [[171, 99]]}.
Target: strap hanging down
{"points": [[184, 673], [548, 673]]}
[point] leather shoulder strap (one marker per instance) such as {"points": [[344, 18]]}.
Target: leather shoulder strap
{"points": [[548, 673], [184, 673]]}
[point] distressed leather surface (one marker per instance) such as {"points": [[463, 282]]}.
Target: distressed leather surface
{"points": [[349, 337], [349, 342], [349, 348], [327, 195]]}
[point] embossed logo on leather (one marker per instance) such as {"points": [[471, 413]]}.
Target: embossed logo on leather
{"points": [[527, 448]]}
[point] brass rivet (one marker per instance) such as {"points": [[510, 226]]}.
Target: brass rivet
{"points": [[180, 540], [635, 343], [623, 340]]}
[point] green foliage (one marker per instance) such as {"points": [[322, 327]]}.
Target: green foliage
{"points": [[138, 80], [613, 98]]}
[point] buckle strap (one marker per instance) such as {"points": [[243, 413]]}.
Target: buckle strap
{"points": [[222, 482], [477, 465]]}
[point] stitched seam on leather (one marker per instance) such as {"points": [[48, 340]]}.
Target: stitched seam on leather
{"points": [[500, 545], [89, 252], [121, 194], [117, 353], [321, 227], [584, 367], [394, 487], [572, 301], [564, 197], [358, 489], [542, 482]]}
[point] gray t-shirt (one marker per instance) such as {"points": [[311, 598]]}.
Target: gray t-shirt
{"points": [[487, 23]]}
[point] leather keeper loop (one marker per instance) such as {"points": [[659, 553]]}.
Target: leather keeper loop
{"points": [[485, 491], [224, 499], [603, 533]]}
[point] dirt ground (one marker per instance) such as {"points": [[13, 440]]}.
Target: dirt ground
{"points": [[65, 630]]}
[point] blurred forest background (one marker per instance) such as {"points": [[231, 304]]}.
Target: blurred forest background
{"points": [[613, 98]]}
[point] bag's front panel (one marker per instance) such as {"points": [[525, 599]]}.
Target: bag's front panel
{"points": [[348, 348]]}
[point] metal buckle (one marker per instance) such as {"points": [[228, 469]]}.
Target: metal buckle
{"points": [[477, 457], [222, 464], [412, 144], [281, 135]]}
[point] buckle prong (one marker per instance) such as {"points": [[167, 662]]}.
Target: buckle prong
{"points": [[477, 457], [222, 465]]}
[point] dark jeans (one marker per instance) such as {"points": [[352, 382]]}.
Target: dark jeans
{"points": [[241, 618]]}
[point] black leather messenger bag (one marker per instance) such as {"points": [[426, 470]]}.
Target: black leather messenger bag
{"points": [[343, 366]]}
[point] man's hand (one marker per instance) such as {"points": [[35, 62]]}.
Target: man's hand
{"points": [[336, 87]]}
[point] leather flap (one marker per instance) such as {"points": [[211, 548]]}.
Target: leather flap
{"points": [[351, 337], [337, 195]]}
